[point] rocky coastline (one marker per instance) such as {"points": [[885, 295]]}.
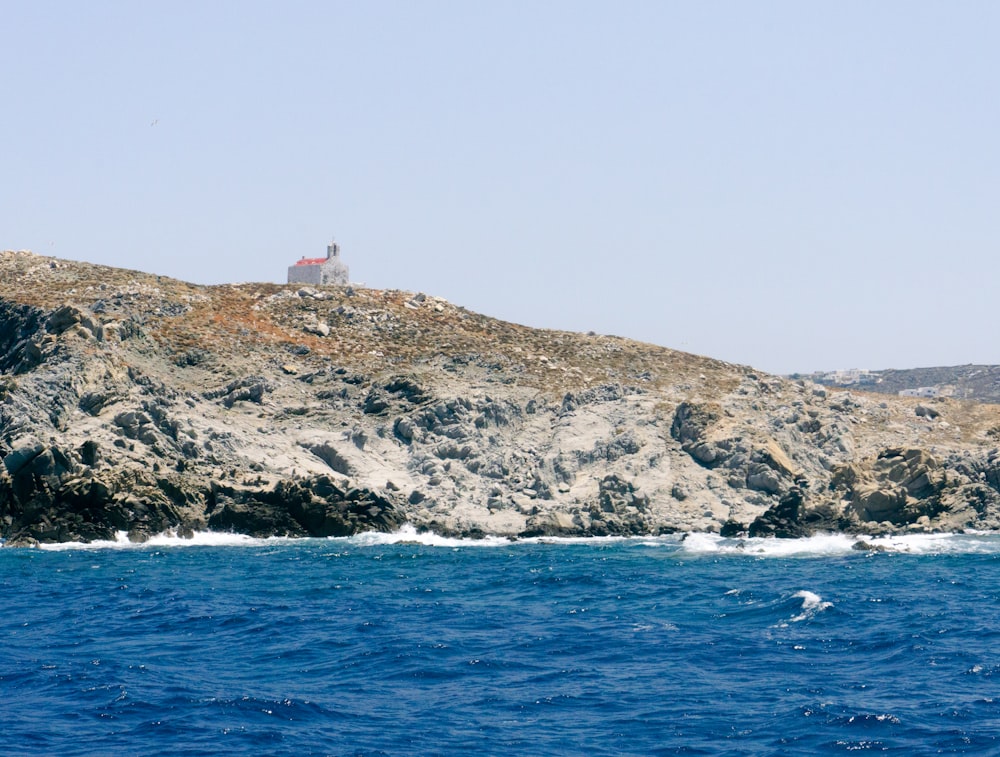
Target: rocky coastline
{"points": [[136, 403]]}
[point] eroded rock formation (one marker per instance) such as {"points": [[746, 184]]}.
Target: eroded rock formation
{"points": [[132, 403]]}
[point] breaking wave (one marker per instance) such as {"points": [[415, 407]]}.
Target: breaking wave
{"points": [[828, 545], [694, 544]]}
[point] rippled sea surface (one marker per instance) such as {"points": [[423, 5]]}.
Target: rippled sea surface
{"points": [[415, 645]]}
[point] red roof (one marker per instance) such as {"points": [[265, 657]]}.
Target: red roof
{"points": [[311, 261]]}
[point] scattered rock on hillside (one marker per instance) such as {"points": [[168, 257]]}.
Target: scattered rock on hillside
{"points": [[134, 404]]}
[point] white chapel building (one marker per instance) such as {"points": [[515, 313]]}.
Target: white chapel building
{"points": [[328, 270]]}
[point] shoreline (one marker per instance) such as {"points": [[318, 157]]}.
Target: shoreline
{"points": [[693, 543]]}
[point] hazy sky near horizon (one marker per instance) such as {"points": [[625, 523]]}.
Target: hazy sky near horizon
{"points": [[795, 186]]}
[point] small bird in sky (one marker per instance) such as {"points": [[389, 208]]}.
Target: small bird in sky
{"points": [[155, 122]]}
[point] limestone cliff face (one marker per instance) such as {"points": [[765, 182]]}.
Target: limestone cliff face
{"points": [[130, 402]]}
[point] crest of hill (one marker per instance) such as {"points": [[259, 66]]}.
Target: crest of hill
{"points": [[351, 326]]}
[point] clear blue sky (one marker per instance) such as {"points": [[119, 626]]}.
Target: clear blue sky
{"points": [[792, 185]]}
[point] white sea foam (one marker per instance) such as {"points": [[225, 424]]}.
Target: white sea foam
{"points": [[120, 541], [819, 545], [406, 535], [168, 539], [812, 604], [692, 544], [825, 545], [409, 535], [979, 542], [579, 539]]}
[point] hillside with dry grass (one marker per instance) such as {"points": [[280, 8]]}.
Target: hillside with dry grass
{"points": [[979, 383], [137, 403]]}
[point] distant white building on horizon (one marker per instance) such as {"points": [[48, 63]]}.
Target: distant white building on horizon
{"points": [[922, 391], [328, 270], [848, 376]]}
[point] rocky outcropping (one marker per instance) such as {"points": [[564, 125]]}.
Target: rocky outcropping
{"points": [[131, 403]]}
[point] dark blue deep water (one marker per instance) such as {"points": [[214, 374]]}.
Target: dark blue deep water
{"points": [[374, 645]]}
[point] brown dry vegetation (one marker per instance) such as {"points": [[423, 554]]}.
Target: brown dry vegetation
{"points": [[388, 330], [381, 331]]}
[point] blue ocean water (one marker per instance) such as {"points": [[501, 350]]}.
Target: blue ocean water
{"points": [[417, 645]]}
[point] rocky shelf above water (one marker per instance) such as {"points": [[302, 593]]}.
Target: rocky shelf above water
{"points": [[132, 402]]}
